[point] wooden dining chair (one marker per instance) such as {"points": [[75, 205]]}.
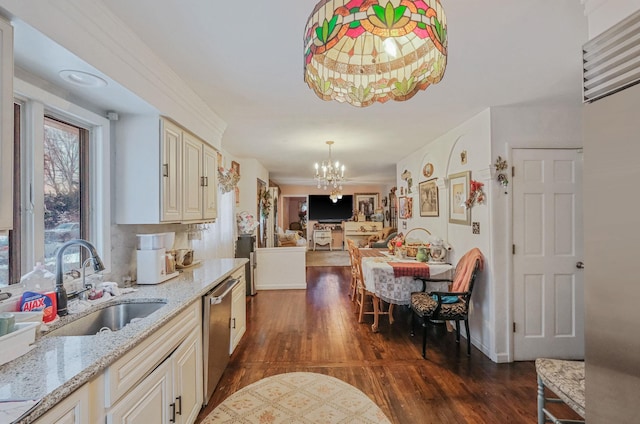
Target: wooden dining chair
{"points": [[363, 295], [353, 287], [448, 306]]}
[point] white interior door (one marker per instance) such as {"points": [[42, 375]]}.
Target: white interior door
{"points": [[548, 240]]}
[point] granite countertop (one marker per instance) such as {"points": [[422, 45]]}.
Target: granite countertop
{"points": [[57, 366]]}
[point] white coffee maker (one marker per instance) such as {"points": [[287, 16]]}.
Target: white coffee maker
{"points": [[152, 260]]}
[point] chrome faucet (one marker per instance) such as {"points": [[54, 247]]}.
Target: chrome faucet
{"points": [[61, 293]]}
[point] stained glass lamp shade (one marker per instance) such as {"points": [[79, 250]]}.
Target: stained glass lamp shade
{"points": [[366, 51]]}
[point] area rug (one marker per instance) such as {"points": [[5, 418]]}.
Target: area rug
{"points": [[298, 397], [327, 258]]}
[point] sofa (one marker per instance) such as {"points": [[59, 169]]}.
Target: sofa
{"points": [[290, 238], [383, 237]]}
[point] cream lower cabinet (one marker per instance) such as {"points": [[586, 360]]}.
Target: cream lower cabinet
{"points": [[187, 379], [148, 402], [160, 380], [72, 410], [172, 393], [85, 405], [238, 311]]}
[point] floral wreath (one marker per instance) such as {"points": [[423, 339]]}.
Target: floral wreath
{"points": [[265, 203], [476, 194]]}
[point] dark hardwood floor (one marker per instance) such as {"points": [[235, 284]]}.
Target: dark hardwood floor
{"points": [[316, 330]]}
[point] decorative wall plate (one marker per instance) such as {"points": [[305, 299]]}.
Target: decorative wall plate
{"points": [[427, 171]]}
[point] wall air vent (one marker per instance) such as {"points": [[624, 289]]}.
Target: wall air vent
{"points": [[611, 61]]}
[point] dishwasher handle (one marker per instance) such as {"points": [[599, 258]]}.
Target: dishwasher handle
{"points": [[216, 297]]}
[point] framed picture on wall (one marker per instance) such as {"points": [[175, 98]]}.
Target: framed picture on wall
{"points": [[405, 205], [366, 203], [235, 167], [458, 194], [429, 198]]}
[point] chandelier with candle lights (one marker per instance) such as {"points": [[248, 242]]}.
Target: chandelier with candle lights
{"points": [[330, 174]]}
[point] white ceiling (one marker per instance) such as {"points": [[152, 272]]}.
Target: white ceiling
{"points": [[245, 60]]}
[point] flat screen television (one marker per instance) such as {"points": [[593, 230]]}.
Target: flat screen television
{"points": [[322, 209]]}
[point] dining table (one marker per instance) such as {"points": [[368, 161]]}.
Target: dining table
{"points": [[393, 279]]}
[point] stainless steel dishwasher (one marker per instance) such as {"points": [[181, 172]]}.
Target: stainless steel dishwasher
{"points": [[216, 333]]}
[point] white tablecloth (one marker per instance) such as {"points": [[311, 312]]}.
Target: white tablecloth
{"points": [[379, 279]]}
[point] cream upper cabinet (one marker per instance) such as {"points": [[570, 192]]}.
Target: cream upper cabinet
{"points": [[171, 172], [6, 125], [192, 184], [162, 173], [210, 183], [200, 186]]}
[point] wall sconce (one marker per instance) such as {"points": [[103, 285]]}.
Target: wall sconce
{"points": [[501, 165]]}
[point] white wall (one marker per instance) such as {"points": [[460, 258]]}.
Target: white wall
{"points": [[250, 171], [516, 127], [474, 137], [603, 14], [491, 133]]}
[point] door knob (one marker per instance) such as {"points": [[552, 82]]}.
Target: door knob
{"points": [[580, 265]]}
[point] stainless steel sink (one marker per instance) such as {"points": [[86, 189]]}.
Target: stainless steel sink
{"points": [[111, 318]]}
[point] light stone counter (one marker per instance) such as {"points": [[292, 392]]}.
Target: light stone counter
{"points": [[59, 365]]}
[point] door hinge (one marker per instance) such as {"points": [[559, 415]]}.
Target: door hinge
{"points": [[514, 327], [513, 171], [202, 184], [513, 249]]}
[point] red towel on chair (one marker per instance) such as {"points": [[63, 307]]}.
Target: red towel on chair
{"points": [[410, 269], [465, 268]]}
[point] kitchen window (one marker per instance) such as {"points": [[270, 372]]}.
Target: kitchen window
{"points": [[62, 173]]}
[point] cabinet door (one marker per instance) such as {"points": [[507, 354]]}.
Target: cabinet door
{"points": [[238, 314], [187, 379], [210, 189], [192, 189], [6, 125], [151, 401], [171, 172], [72, 410]]}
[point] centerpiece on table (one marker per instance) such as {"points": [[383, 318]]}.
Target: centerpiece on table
{"points": [[396, 243]]}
